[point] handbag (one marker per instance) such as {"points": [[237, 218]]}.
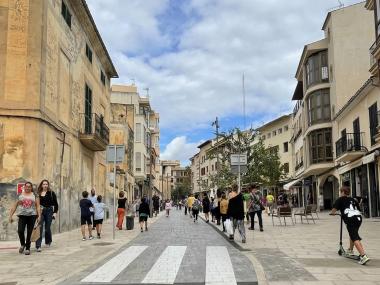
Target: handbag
{"points": [[228, 226], [36, 233]]}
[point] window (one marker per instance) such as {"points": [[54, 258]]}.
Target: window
{"points": [[88, 110], [203, 171], [286, 147], [373, 122], [320, 145], [274, 133], [89, 53], [319, 106], [286, 128], [212, 167], [286, 167], [317, 69], [273, 150], [65, 12], [206, 169], [138, 161], [138, 132], [279, 131], [268, 135], [102, 78]]}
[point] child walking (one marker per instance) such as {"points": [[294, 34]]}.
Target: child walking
{"points": [[85, 216], [195, 208], [99, 207], [168, 206]]}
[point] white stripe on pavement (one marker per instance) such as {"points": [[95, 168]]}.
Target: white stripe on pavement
{"points": [[165, 270], [219, 268], [108, 271]]}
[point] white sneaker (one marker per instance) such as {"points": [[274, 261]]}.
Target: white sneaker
{"points": [[363, 259], [91, 238], [84, 239]]}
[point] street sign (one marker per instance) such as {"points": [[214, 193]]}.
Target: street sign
{"points": [[235, 169], [20, 188], [120, 153], [237, 159]]}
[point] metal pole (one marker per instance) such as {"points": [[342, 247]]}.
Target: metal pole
{"points": [[239, 183], [217, 153], [114, 195]]}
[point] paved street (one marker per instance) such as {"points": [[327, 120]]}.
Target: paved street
{"points": [[291, 255]]}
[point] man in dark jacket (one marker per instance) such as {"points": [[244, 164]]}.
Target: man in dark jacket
{"points": [[156, 204], [235, 212]]}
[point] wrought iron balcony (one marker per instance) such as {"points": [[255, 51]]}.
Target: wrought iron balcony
{"points": [[94, 133], [373, 68], [349, 147], [377, 136]]}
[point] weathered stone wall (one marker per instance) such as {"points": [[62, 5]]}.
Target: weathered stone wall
{"points": [[49, 81]]}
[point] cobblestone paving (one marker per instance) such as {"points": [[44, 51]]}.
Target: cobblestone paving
{"points": [[178, 230]]}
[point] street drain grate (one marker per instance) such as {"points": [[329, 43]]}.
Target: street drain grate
{"points": [[101, 244]]}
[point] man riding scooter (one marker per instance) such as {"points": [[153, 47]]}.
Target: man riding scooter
{"points": [[350, 213]]}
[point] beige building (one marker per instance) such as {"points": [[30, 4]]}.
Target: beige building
{"points": [[54, 103], [277, 135], [332, 73], [146, 138], [167, 177]]}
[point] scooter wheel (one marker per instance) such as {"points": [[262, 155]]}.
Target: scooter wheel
{"points": [[340, 252]]}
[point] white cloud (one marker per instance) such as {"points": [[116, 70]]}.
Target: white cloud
{"points": [[180, 149], [200, 78]]}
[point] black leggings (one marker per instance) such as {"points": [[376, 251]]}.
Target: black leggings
{"points": [[259, 215], [28, 222], [195, 214]]}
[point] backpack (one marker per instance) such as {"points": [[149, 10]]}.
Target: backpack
{"points": [[196, 205]]}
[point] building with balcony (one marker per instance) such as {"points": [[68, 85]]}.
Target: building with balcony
{"points": [[146, 138], [54, 102], [329, 72]]}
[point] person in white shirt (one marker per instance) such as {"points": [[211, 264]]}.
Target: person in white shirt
{"points": [[99, 207]]}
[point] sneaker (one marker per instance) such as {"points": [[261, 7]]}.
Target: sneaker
{"points": [[21, 249], [27, 252], [142, 230], [91, 237], [243, 241], [251, 229], [146, 229], [38, 249], [83, 239], [231, 237], [194, 220], [261, 230], [363, 259]]}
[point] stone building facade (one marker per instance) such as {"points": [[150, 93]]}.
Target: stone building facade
{"points": [[54, 103]]}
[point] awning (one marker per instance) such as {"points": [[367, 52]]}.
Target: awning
{"points": [[349, 166], [290, 184], [369, 158]]}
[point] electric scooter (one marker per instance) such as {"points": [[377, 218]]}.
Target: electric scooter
{"points": [[342, 251]]}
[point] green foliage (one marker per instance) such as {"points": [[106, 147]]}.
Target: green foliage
{"points": [[263, 164], [182, 189]]}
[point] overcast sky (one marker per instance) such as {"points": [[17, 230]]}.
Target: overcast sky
{"points": [[192, 55]]}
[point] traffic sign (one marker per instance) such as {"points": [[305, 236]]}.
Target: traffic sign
{"points": [[120, 153], [239, 159]]}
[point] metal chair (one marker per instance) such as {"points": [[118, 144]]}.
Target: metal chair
{"points": [[283, 212], [305, 213], [314, 210]]}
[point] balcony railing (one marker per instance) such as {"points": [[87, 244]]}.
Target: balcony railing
{"points": [[351, 142], [94, 133], [299, 165]]}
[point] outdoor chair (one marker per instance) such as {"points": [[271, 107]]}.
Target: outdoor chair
{"points": [[314, 210], [282, 212], [305, 213]]}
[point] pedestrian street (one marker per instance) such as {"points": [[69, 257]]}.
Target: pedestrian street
{"points": [[174, 250]]}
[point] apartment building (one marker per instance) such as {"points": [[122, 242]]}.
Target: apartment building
{"points": [[331, 73], [55, 76], [277, 135], [145, 129]]}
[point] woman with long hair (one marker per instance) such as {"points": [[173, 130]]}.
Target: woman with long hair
{"points": [[49, 209], [28, 206], [121, 206]]}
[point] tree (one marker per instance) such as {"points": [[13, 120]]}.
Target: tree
{"points": [[183, 189], [263, 164]]}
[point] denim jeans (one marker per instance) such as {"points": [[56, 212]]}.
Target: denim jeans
{"points": [[239, 224], [46, 220], [259, 216], [28, 223]]}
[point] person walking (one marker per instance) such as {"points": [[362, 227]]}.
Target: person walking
{"points": [[28, 212], [256, 207], [99, 207], [168, 207], [223, 209], [85, 216], [144, 212], [195, 208], [190, 202], [270, 201], [185, 204], [49, 209], [156, 204], [206, 207], [350, 212], [121, 205], [92, 198], [236, 212]]}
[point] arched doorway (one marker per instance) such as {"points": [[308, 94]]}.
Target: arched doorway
{"points": [[330, 192]]}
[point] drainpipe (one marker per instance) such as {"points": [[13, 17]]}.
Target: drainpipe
{"points": [[60, 183]]}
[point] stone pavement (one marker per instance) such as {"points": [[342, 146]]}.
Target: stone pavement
{"points": [[174, 250], [307, 253], [67, 256]]}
